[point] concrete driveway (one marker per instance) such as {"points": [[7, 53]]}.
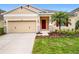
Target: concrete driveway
{"points": [[17, 43]]}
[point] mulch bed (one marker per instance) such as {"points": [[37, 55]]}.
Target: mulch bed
{"points": [[52, 35], [56, 34]]}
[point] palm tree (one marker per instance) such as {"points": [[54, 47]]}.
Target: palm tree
{"points": [[61, 18]]}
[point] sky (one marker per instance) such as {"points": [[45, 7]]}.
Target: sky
{"points": [[59, 7]]}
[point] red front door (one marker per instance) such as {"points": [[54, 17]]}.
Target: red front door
{"points": [[43, 24]]}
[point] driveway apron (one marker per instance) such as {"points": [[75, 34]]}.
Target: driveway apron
{"points": [[17, 43]]}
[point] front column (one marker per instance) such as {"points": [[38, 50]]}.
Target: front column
{"points": [[50, 25], [5, 25], [38, 24]]}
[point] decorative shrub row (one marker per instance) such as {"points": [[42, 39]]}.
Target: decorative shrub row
{"points": [[65, 33], [1, 31]]}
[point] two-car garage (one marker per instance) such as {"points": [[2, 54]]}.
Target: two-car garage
{"points": [[20, 20], [21, 26]]}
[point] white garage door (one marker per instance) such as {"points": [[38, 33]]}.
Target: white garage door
{"points": [[17, 26]]}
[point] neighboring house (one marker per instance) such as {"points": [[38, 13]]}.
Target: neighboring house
{"points": [[74, 17], [31, 19]]}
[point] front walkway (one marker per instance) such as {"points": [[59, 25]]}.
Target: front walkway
{"points": [[17, 43]]}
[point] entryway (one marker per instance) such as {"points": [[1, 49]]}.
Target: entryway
{"points": [[44, 23]]}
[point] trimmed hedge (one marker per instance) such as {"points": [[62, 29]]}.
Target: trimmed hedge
{"points": [[1, 31], [69, 32]]}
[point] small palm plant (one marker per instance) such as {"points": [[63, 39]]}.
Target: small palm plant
{"points": [[61, 18]]}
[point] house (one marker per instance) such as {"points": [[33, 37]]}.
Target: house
{"points": [[31, 19]]}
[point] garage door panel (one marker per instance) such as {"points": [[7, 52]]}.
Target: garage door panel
{"points": [[22, 26]]}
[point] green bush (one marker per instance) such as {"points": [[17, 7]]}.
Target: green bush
{"points": [[77, 31], [68, 32], [1, 31], [77, 25]]}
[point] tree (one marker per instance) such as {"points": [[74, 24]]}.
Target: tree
{"points": [[61, 18], [1, 16], [1, 11]]}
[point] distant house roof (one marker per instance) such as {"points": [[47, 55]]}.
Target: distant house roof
{"points": [[74, 12]]}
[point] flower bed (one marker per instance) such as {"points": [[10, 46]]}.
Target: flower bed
{"points": [[64, 34]]}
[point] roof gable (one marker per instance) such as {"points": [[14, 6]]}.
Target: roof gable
{"points": [[28, 9], [20, 10], [33, 8]]}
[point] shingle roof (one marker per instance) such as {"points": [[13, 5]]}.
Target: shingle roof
{"points": [[43, 10], [74, 12], [49, 10]]}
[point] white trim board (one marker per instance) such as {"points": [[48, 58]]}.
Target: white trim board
{"points": [[21, 19], [21, 15]]}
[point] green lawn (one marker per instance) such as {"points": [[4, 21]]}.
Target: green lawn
{"points": [[46, 45]]}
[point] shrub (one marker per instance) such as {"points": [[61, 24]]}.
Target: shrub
{"points": [[56, 30], [77, 31], [1, 31], [77, 25], [68, 32]]}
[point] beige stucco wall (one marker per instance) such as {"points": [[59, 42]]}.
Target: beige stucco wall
{"points": [[21, 11], [21, 14], [10, 18], [70, 27]]}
